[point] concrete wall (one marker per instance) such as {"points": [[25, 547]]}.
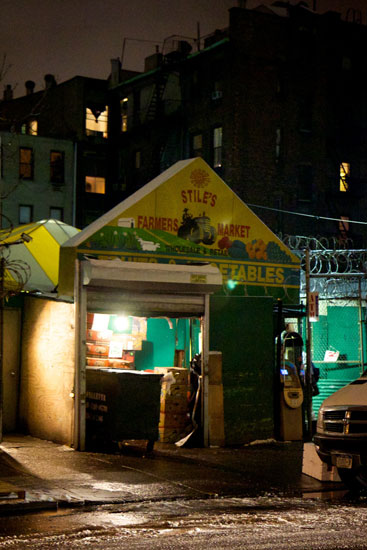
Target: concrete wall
{"points": [[47, 370]]}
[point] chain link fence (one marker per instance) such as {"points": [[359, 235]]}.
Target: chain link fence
{"points": [[338, 344]]}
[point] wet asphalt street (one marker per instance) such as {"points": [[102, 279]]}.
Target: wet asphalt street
{"points": [[251, 497], [268, 522]]}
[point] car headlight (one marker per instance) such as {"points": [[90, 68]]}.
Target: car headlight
{"points": [[320, 420]]}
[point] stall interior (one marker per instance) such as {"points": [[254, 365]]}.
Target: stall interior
{"points": [[149, 360]]}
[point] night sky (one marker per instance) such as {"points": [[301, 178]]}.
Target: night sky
{"points": [[79, 37]]}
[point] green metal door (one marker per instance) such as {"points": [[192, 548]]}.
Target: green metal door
{"points": [[242, 329]]}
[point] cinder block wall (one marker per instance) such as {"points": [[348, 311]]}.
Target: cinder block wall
{"points": [[47, 370]]}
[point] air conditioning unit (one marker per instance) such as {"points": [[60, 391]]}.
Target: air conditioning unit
{"points": [[217, 95]]}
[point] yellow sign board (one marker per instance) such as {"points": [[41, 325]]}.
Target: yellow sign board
{"points": [[188, 214]]}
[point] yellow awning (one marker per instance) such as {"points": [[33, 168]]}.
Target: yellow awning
{"points": [[34, 265]]}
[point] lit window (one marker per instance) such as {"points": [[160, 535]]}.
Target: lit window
{"points": [[95, 185], [124, 106], [25, 213], [344, 177], [96, 122], [33, 127], [197, 145], [57, 163], [217, 147], [30, 128], [124, 123], [26, 163], [56, 213]]}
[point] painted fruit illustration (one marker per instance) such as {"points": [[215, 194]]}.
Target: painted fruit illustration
{"points": [[225, 242]]}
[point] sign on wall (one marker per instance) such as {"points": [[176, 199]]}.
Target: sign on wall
{"points": [[187, 215]]}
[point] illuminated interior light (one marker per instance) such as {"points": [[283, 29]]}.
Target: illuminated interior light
{"points": [[121, 324], [100, 322]]}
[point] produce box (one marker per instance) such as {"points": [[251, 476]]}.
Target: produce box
{"points": [[174, 391], [173, 420], [170, 435], [172, 405], [181, 376]]}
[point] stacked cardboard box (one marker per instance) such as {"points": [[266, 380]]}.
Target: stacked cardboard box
{"points": [[174, 403]]}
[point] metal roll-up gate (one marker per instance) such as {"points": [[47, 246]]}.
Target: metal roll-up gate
{"points": [[141, 289]]}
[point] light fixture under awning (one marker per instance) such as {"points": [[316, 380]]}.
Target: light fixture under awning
{"points": [[152, 277]]}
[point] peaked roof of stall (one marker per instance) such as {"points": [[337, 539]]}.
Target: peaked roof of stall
{"points": [[34, 264], [150, 187]]}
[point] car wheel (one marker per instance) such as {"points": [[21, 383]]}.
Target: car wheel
{"points": [[354, 479]]}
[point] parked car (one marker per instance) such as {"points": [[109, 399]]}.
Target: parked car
{"points": [[341, 433]]}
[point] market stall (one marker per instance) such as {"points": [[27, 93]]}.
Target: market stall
{"points": [[181, 259]]}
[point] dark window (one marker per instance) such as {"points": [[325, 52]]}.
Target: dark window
{"points": [[26, 163], [137, 160], [25, 213], [57, 166], [196, 145], [305, 114], [305, 182], [56, 213], [278, 144]]}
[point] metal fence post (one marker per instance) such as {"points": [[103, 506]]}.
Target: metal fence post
{"points": [[308, 349]]}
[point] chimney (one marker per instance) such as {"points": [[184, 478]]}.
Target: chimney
{"points": [[50, 81], [8, 93], [153, 61], [115, 72], [29, 86]]}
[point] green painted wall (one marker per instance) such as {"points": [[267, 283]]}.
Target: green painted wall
{"points": [[241, 328], [163, 338], [338, 330]]}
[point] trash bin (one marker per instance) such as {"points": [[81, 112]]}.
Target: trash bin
{"points": [[121, 405]]}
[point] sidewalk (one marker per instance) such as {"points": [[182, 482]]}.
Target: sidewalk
{"points": [[43, 474]]}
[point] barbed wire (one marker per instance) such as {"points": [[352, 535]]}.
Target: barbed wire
{"points": [[14, 273], [328, 255], [299, 243]]}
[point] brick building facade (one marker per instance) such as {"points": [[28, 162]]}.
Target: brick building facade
{"points": [[274, 103]]}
